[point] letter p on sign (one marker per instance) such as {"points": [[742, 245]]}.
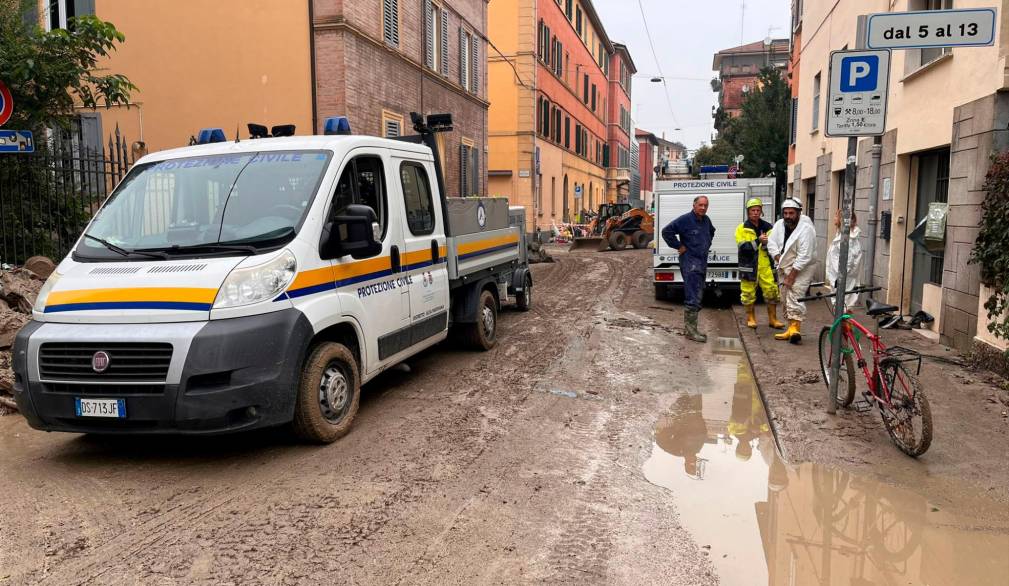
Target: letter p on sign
{"points": [[859, 74]]}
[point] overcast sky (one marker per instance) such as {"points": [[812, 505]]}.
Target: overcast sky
{"points": [[687, 34]]}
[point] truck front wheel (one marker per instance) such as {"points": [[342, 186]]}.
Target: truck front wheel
{"points": [[482, 334], [328, 394]]}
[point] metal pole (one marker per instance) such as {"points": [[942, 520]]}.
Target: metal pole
{"points": [[877, 153], [842, 274]]}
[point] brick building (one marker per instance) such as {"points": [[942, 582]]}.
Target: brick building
{"points": [[618, 125], [548, 117], [739, 67], [375, 61]]}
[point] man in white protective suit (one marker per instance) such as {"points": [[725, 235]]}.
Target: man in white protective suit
{"points": [[792, 244]]}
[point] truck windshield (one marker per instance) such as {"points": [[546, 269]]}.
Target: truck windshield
{"points": [[221, 205]]}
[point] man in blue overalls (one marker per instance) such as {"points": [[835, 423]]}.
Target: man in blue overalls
{"points": [[691, 234]]}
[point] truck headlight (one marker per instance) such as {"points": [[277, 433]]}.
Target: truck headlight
{"points": [[43, 296], [245, 286]]}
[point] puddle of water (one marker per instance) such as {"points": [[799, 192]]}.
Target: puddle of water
{"points": [[767, 522]]}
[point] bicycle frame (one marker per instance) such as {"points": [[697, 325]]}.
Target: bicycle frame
{"points": [[878, 349]]}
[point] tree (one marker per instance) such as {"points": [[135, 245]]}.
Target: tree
{"points": [[51, 73]]}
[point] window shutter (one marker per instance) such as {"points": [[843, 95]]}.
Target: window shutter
{"points": [[444, 42], [475, 171], [392, 129], [474, 56], [84, 7], [390, 21], [429, 34], [795, 118], [462, 57], [463, 170]]}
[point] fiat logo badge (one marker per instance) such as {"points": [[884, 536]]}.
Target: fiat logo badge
{"points": [[100, 362]]}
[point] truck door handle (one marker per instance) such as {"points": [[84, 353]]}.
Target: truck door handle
{"points": [[434, 252], [394, 256]]}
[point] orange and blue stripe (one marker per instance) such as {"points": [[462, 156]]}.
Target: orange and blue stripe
{"points": [[169, 298], [487, 246], [331, 278]]}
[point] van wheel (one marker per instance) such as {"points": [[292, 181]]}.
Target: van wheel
{"points": [[328, 394], [618, 241], [524, 300], [482, 335], [640, 239]]}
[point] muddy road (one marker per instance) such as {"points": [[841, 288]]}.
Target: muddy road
{"points": [[591, 446]]}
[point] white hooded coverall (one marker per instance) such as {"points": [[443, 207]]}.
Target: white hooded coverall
{"points": [[799, 254], [854, 264]]}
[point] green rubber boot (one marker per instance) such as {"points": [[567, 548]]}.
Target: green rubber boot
{"points": [[691, 331]]}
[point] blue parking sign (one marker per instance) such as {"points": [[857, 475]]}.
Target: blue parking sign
{"points": [[860, 73]]}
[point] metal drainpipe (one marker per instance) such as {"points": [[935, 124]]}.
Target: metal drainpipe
{"points": [[877, 153]]}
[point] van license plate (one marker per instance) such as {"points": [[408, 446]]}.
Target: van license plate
{"points": [[115, 408], [718, 275]]}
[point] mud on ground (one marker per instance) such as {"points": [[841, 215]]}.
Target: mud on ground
{"points": [[966, 464]]}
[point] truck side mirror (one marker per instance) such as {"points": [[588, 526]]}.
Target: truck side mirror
{"points": [[354, 232]]}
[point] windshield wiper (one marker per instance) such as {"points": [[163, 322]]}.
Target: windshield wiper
{"points": [[209, 246], [125, 251]]}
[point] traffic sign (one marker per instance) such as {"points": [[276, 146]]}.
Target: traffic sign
{"points": [[6, 104], [974, 27], [857, 94], [16, 141]]}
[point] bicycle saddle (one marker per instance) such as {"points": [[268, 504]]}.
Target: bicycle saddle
{"points": [[875, 308]]}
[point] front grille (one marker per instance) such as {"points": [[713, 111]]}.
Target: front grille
{"points": [[102, 390], [70, 361]]}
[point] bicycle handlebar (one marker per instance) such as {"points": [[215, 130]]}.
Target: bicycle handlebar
{"points": [[828, 295]]}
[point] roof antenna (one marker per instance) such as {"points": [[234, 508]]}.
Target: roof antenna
{"points": [[237, 140]]}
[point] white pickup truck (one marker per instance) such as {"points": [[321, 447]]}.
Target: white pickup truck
{"points": [[238, 285], [727, 210]]}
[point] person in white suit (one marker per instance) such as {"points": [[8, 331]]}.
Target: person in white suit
{"points": [[792, 244], [854, 271]]}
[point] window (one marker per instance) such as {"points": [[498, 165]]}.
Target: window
{"points": [[568, 8], [794, 119], [578, 139], [557, 125], [585, 88], [469, 169], [390, 21], [436, 37], [816, 101], [926, 56], [464, 58], [392, 125], [362, 182], [567, 132], [811, 198], [578, 20], [417, 197], [61, 11], [469, 68], [593, 97]]}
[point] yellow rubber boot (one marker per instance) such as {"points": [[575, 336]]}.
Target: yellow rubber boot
{"points": [[751, 316], [772, 317], [791, 332]]}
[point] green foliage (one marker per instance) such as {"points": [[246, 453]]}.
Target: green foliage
{"points": [[760, 133], [51, 73], [991, 250]]}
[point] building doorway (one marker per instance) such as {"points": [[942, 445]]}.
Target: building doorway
{"points": [[933, 186]]}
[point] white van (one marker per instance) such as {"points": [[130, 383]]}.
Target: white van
{"points": [[726, 208], [238, 285]]}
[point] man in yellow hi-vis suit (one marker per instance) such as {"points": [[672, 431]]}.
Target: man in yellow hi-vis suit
{"points": [[755, 265]]}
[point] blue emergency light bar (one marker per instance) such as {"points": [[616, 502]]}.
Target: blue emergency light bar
{"points": [[209, 135], [336, 125]]}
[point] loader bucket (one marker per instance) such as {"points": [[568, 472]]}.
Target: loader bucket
{"points": [[589, 243]]}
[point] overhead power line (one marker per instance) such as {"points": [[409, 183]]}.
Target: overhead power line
{"points": [[658, 66]]}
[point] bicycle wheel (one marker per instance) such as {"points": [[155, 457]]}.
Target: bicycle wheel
{"points": [[846, 374], [908, 419]]}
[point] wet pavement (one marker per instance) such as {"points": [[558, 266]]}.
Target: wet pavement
{"points": [[763, 521]]}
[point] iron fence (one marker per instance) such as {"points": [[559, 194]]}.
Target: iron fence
{"points": [[48, 197]]}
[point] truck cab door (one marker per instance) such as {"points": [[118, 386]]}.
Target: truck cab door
{"points": [[424, 262], [371, 290]]}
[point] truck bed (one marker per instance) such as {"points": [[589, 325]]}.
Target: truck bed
{"points": [[480, 236]]}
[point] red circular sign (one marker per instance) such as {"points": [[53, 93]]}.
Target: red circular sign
{"points": [[6, 104]]}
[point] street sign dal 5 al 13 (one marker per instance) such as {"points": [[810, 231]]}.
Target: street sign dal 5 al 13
{"points": [[857, 93], [973, 27]]}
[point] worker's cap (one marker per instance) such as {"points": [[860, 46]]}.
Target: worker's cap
{"points": [[791, 203], [754, 202]]}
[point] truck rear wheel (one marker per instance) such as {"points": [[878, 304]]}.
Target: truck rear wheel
{"points": [[328, 394], [524, 300], [482, 334], [618, 241], [640, 239]]}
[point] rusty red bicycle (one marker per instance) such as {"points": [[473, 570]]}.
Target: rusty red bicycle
{"points": [[892, 388]]}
